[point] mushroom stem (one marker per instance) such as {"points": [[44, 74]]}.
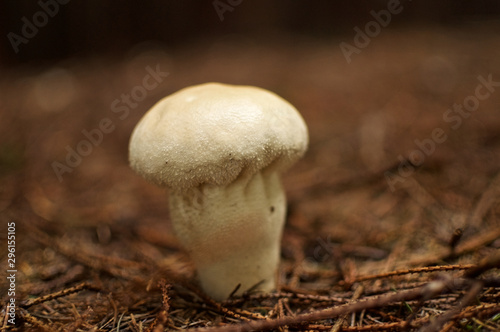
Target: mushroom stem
{"points": [[244, 247]]}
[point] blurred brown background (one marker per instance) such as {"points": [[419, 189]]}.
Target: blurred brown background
{"points": [[364, 113], [105, 224], [85, 28]]}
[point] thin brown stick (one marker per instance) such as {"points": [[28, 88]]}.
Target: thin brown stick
{"points": [[466, 247], [427, 292], [99, 262], [426, 269], [338, 324], [488, 263], [441, 320], [64, 292], [5, 319], [69, 276], [484, 309], [35, 322], [489, 196], [162, 317], [477, 311], [281, 314]]}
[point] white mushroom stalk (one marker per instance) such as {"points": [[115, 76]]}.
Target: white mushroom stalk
{"points": [[220, 149]]}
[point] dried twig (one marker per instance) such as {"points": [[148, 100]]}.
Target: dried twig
{"points": [[426, 269], [162, 316], [113, 265], [341, 320], [469, 297], [427, 292], [64, 292], [465, 247], [489, 196], [488, 263], [35, 322]]}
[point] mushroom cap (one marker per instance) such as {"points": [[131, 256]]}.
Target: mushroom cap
{"points": [[211, 133]]}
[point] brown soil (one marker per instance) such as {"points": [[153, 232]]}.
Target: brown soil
{"points": [[373, 241]]}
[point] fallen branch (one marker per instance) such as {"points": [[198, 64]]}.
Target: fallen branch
{"points": [[426, 292]]}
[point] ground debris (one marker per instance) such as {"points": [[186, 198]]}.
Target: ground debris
{"points": [[373, 241]]}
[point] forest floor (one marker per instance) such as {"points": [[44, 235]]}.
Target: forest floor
{"points": [[394, 212]]}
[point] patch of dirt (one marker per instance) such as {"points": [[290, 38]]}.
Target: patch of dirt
{"points": [[393, 220]]}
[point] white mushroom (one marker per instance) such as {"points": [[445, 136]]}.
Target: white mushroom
{"points": [[220, 149]]}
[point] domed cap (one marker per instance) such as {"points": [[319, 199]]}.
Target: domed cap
{"points": [[211, 133]]}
